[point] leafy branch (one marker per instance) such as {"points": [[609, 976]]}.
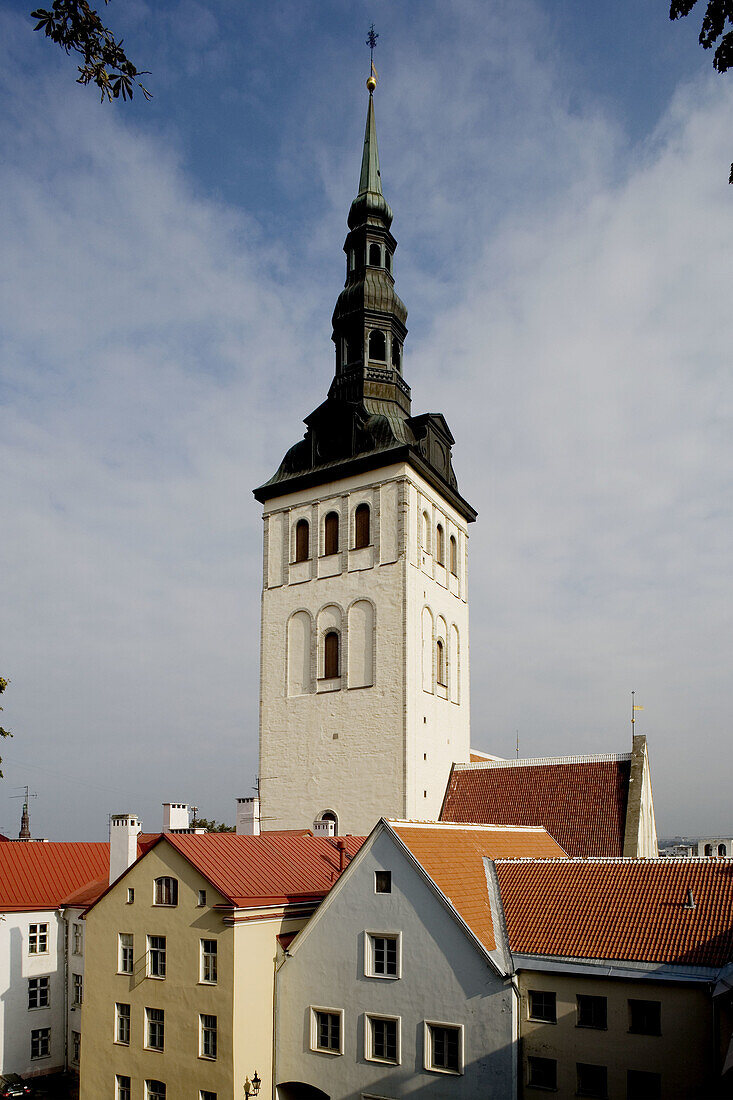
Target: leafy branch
{"points": [[77, 28], [3, 733], [718, 15]]}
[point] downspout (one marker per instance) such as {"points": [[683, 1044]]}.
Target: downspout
{"points": [[65, 925]]}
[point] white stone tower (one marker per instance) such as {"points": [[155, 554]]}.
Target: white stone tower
{"points": [[364, 700]]}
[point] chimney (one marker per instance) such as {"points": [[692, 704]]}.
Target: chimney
{"points": [[124, 830], [248, 817], [175, 817], [341, 845], [324, 828], [689, 899]]}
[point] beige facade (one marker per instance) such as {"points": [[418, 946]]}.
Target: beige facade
{"points": [[241, 998], [399, 707], [680, 1059]]}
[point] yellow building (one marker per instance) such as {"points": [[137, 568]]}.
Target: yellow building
{"points": [[180, 962]]}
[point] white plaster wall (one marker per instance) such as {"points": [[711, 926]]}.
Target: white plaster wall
{"points": [[16, 967], [361, 751], [444, 977]]}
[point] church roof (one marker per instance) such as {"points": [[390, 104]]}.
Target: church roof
{"points": [[633, 910], [453, 856], [580, 800]]}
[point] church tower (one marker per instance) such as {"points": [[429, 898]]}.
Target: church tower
{"points": [[364, 693]]}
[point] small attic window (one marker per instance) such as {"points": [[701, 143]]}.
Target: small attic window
{"points": [[375, 255], [377, 346], [382, 882]]}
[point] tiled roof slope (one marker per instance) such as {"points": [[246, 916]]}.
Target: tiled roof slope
{"points": [[268, 869], [581, 802], [621, 910], [453, 856], [39, 875]]}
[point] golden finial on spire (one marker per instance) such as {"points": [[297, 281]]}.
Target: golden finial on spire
{"points": [[373, 74]]}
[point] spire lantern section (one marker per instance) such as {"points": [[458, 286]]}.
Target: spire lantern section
{"points": [[369, 319]]}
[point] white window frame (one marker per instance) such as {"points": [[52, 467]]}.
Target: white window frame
{"points": [[130, 895], [46, 988], [314, 1010], [75, 1047], [120, 953], [148, 956], [37, 934], [202, 1029], [156, 1023], [202, 962], [204, 1093], [77, 985], [119, 1086], [173, 889], [78, 939], [369, 970], [123, 1016], [148, 1093], [202, 899], [428, 1047], [369, 1054]]}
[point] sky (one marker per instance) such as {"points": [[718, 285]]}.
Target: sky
{"points": [[558, 173]]}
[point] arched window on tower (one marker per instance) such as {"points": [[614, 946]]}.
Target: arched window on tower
{"points": [[331, 646], [426, 533], [440, 544], [362, 535], [302, 540], [331, 533], [721, 850], [453, 556], [440, 662], [375, 255], [377, 345], [708, 849], [388, 260], [396, 355]]}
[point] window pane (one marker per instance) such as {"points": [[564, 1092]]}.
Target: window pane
{"points": [[125, 953], [331, 656], [592, 1011], [208, 1036], [384, 1039], [122, 1031], [208, 960], [444, 1047], [592, 1080], [542, 1006], [382, 882], [645, 1017], [641, 1085], [328, 1031], [156, 956], [123, 1087], [542, 1073], [302, 540], [156, 1028], [361, 533], [166, 891]]}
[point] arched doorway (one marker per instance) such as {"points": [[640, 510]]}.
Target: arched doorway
{"points": [[298, 1090]]}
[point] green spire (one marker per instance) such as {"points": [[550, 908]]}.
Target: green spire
{"points": [[370, 180]]}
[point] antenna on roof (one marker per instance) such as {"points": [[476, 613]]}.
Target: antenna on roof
{"points": [[689, 900]]}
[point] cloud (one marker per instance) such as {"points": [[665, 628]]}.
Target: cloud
{"points": [[160, 346]]}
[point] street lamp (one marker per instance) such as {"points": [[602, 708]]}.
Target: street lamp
{"points": [[252, 1088]]}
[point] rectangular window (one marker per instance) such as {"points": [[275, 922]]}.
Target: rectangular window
{"points": [[208, 961], [165, 891], [383, 955], [202, 900], [592, 1080], [641, 1085], [122, 1023], [37, 939], [382, 882], [542, 1006], [41, 1042], [207, 1025], [155, 1028], [542, 1073], [444, 1047], [156, 956], [154, 1090], [123, 1087], [130, 895], [78, 988], [125, 953], [76, 1047], [78, 938], [645, 1017], [592, 1012], [38, 992], [326, 1030], [204, 1094], [382, 1039]]}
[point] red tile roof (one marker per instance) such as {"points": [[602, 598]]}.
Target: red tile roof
{"points": [[269, 869], [620, 909], [453, 857], [581, 801], [41, 875]]}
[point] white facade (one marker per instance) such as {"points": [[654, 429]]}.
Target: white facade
{"points": [[444, 977], [379, 738], [39, 957]]}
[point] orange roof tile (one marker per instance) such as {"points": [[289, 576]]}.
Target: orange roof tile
{"points": [[453, 857], [268, 869], [580, 801], [630, 910], [41, 875]]}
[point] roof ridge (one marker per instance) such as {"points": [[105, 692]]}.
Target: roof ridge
{"points": [[589, 758], [397, 823], [624, 860]]}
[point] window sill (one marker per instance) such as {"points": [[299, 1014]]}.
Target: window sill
{"points": [[540, 1020], [384, 977], [207, 1057], [125, 973], [329, 685], [382, 1061], [156, 977], [119, 1043], [646, 1034], [165, 905], [445, 1072], [592, 1027], [325, 1050], [203, 982], [38, 1008]]}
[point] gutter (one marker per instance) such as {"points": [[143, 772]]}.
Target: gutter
{"points": [[626, 970]]}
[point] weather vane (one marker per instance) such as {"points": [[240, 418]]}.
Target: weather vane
{"points": [[371, 41]]}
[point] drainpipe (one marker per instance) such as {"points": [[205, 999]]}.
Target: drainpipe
{"points": [[65, 925], [341, 845]]}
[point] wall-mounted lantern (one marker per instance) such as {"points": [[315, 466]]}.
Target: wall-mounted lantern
{"points": [[252, 1088]]}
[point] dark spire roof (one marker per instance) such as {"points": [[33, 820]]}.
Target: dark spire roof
{"points": [[366, 422]]}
